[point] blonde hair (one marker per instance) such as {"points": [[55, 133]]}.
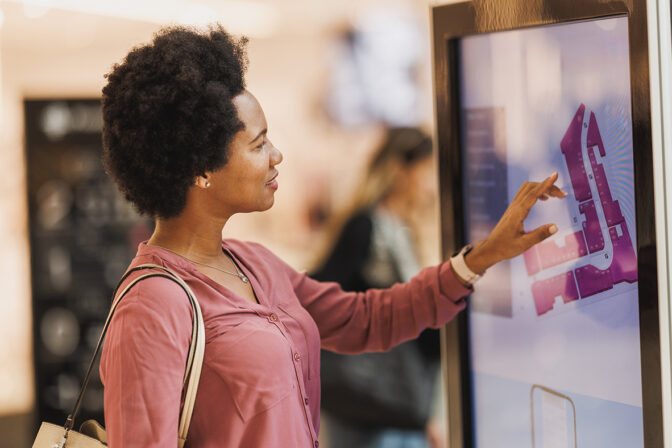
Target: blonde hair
{"points": [[401, 148]]}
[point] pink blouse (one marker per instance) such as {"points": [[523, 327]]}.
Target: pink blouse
{"points": [[260, 384]]}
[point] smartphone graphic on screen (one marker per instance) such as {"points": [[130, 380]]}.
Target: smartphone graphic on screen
{"points": [[553, 419]]}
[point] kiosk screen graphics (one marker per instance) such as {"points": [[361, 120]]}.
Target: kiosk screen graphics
{"points": [[554, 334]]}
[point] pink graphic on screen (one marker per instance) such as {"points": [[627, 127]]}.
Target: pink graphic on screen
{"points": [[571, 148], [545, 291], [552, 255], [591, 227], [532, 263], [588, 280], [612, 211]]}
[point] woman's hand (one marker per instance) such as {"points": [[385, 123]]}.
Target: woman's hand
{"points": [[508, 239]]}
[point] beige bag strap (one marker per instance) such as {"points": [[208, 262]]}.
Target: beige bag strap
{"points": [[196, 348]]}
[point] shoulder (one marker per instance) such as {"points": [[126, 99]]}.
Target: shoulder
{"points": [[359, 226], [153, 321], [357, 231], [361, 221], [153, 298]]}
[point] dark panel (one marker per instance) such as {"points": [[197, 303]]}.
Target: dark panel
{"points": [[83, 235]]}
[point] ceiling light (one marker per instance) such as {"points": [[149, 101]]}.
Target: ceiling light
{"points": [[252, 18]]}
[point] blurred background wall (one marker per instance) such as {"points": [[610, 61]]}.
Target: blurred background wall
{"points": [[303, 68]]}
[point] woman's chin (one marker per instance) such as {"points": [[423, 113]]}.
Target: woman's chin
{"points": [[267, 205]]}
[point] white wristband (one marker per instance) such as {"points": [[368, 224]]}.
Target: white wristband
{"points": [[460, 267]]}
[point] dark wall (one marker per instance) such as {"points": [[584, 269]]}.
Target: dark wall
{"points": [[83, 234]]}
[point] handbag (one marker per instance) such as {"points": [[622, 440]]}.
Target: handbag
{"points": [[92, 434], [387, 389]]}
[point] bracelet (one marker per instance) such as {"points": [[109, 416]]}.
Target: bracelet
{"points": [[461, 269]]}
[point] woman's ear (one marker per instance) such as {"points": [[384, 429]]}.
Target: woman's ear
{"points": [[203, 181]]}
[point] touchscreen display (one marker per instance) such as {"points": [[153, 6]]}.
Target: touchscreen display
{"points": [[554, 333]]}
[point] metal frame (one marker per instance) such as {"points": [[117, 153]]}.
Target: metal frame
{"points": [[660, 63], [453, 21]]}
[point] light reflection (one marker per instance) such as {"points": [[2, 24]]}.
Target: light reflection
{"points": [[36, 8], [254, 19]]}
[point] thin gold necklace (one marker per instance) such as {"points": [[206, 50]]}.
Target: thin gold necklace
{"points": [[243, 278]]}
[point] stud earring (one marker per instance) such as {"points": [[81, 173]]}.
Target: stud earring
{"points": [[207, 184]]}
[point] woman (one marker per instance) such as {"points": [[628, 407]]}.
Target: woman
{"points": [[189, 146], [375, 400]]}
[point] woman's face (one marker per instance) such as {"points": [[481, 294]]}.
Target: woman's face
{"points": [[422, 182], [247, 182], [415, 184]]}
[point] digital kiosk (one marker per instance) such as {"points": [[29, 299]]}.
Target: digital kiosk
{"points": [[559, 347]]}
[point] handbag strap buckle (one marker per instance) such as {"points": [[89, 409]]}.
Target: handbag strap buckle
{"points": [[69, 423]]}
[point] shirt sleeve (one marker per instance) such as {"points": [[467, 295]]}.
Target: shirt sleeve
{"points": [[143, 365], [378, 319]]}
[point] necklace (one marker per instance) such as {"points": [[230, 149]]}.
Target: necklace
{"points": [[243, 278]]}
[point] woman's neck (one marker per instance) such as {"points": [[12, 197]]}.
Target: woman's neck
{"points": [[397, 205], [197, 239]]}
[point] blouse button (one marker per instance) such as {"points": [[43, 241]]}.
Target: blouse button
{"points": [[317, 444], [297, 356], [305, 400], [273, 317]]}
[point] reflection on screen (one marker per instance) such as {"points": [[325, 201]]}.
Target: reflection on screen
{"points": [[562, 319], [553, 419]]}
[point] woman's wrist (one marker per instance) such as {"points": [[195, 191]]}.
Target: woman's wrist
{"points": [[480, 258]]}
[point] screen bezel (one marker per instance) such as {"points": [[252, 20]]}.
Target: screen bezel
{"points": [[454, 21]]}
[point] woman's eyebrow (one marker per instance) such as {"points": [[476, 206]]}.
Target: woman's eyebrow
{"points": [[263, 132]]}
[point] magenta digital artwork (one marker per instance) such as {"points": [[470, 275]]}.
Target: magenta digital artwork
{"points": [[587, 280]]}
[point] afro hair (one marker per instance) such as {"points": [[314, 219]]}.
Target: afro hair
{"points": [[168, 115]]}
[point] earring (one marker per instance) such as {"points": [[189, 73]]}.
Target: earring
{"points": [[207, 184]]}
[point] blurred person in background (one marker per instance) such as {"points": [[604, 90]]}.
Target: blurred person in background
{"points": [[383, 400], [189, 146]]}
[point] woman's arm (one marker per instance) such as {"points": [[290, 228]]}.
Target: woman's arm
{"points": [[378, 319], [143, 364]]}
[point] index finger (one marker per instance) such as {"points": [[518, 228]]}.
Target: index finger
{"points": [[555, 192], [547, 183], [540, 189]]}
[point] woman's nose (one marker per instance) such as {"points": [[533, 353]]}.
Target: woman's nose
{"points": [[276, 156]]}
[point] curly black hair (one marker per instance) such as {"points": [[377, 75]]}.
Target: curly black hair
{"points": [[168, 115]]}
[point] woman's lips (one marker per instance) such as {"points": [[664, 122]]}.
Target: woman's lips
{"points": [[273, 183]]}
